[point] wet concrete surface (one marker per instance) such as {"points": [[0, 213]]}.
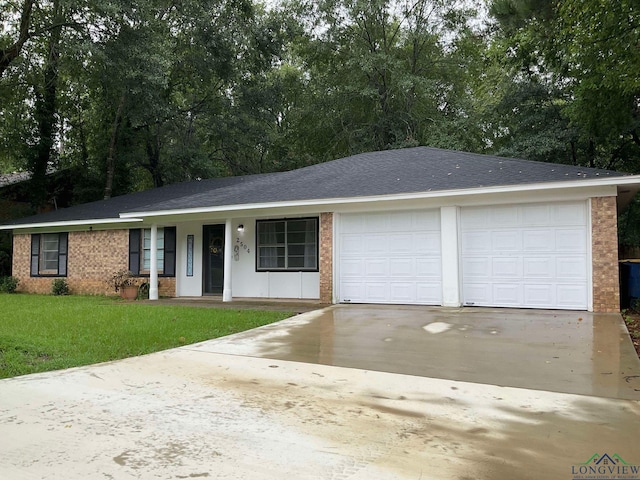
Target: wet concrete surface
{"points": [[192, 414], [558, 351]]}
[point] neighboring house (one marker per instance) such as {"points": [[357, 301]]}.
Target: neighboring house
{"points": [[410, 226]]}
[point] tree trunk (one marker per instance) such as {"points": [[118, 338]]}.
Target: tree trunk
{"points": [[45, 114], [10, 53], [153, 156], [111, 156]]}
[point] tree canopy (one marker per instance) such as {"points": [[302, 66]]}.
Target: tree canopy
{"points": [[143, 93]]}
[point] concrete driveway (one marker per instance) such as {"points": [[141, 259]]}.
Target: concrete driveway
{"points": [[331, 395]]}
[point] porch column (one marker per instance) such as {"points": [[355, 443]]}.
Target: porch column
{"points": [[450, 254], [153, 268], [228, 257]]}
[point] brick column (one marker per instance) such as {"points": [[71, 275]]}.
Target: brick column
{"points": [[604, 254], [326, 257]]}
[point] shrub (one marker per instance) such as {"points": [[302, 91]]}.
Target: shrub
{"points": [[121, 278], [59, 287], [8, 284]]}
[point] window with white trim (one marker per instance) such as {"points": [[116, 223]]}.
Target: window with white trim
{"points": [[287, 245]]}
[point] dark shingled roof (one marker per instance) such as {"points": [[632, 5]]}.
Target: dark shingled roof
{"points": [[409, 170]]}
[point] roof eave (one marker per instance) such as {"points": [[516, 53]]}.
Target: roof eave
{"points": [[72, 223], [617, 181]]}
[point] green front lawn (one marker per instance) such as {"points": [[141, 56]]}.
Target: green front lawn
{"points": [[40, 333]]}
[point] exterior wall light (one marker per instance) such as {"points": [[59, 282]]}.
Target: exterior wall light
{"points": [[241, 228]]}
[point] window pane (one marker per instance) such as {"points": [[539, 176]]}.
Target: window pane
{"points": [[49, 252], [145, 258], [271, 233], [271, 257]]}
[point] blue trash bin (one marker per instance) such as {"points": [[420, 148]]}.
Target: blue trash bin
{"points": [[633, 281]]}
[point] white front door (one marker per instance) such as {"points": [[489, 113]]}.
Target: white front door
{"points": [[530, 255], [390, 257]]}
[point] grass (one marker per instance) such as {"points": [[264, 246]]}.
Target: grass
{"points": [[40, 333]]}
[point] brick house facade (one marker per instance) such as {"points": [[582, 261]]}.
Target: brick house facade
{"points": [[604, 254], [92, 258], [94, 255]]}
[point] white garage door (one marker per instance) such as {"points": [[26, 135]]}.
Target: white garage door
{"points": [[391, 257], [525, 256]]}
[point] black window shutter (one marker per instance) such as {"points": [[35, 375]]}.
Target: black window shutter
{"points": [[134, 251], [63, 248], [169, 251], [35, 254]]}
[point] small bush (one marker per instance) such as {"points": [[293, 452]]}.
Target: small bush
{"points": [[8, 284], [60, 287]]}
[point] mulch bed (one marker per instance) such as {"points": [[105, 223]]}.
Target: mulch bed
{"points": [[632, 319]]}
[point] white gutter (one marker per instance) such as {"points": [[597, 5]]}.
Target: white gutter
{"points": [[618, 181], [70, 223]]}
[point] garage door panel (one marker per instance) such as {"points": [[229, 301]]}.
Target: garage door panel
{"points": [[401, 243], [571, 240], [506, 241], [508, 294], [477, 218], [374, 223], [385, 257], [402, 267], [540, 240], [402, 292], [376, 267], [506, 267], [571, 296], [572, 268], [375, 244], [504, 216], [426, 219], [401, 222], [377, 292], [352, 267], [569, 214], [351, 244], [539, 267], [477, 293], [553, 269], [427, 244], [428, 293], [477, 267], [352, 291], [536, 215], [428, 267], [539, 295], [475, 242]]}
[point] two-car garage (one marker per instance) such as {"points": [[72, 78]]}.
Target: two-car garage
{"points": [[529, 255]]}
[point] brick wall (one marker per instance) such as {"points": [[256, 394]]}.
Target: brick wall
{"points": [[93, 257], [326, 257], [604, 247]]}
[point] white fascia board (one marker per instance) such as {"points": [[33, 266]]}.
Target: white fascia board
{"points": [[70, 223], [617, 181]]}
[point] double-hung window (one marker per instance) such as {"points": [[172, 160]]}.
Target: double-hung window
{"points": [[287, 245], [140, 251], [145, 263], [49, 254]]}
